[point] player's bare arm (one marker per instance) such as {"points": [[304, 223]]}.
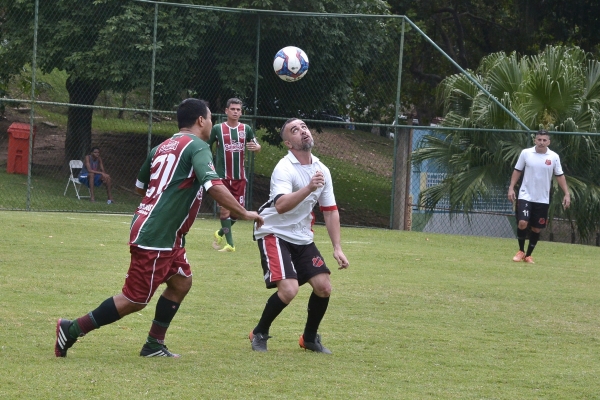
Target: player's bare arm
{"points": [[289, 201], [222, 196], [511, 187], [562, 182], [332, 223]]}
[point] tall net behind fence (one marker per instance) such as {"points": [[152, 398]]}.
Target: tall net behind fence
{"points": [[110, 75]]}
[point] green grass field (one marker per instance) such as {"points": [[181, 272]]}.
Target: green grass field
{"points": [[416, 316]]}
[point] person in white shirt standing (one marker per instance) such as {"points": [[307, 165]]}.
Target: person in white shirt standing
{"points": [[288, 253], [537, 165]]}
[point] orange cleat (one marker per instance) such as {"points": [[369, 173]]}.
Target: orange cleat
{"points": [[520, 256]]}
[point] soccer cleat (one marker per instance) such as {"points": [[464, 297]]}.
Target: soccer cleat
{"points": [[63, 339], [529, 260], [218, 241], [227, 249], [317, 346], [520, 256], [162, 351], [258, 341]]}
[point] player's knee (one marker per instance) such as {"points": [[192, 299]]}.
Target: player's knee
{"points": [[522, 224], [287, 294], [180, 285], [323, 290]]}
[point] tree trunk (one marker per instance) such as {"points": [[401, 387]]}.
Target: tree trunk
{"points": [[79, 123]]}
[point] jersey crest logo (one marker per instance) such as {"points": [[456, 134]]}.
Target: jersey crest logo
{"points": [[548, 162], [317, 262], [542, 221], [241, 134]]}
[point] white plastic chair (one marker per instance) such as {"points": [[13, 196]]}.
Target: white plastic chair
{"points": [[74, 178]]}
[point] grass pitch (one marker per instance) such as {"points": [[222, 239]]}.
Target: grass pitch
{"points": [[416, 316]]}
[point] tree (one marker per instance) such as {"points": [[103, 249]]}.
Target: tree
{"points": [[558, 90], [108, 45]]}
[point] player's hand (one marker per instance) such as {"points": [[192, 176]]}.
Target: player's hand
{"points": [[253, 215], [566, 201], [317, 181], [341, 259], [253, 146], [511, 195]]}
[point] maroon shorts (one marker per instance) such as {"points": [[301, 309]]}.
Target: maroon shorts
{"points": [[284, 260], [149, 268], [237, 187]]}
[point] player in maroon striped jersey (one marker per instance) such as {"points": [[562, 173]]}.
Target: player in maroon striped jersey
{"points": [[171, 180], [232, 138]]}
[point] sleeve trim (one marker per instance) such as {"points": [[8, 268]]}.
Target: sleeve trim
{"points": [[329, 208]]}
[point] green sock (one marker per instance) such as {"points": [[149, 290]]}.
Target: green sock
{"points": [[74, 330], [226, 229], [153, 343]]}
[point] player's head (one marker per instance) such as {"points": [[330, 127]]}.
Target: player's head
{"points": [[542, 140], [190, 110], [234, 109], [234, 100], [296, 135], [542, 132]]}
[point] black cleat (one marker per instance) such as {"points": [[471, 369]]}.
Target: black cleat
{"points": [[63, 339], [147, 351], [315, 346], [258, 341]]}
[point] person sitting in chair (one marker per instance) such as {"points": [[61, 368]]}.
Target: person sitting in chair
{"points": [[93, 171]]}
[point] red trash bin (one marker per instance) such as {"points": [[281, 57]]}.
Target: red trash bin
{"points": [[18, 148]]}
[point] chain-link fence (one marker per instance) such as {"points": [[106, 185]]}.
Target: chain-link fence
{"points": [[109, 75]]}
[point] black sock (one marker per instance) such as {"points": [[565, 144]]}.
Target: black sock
{"points": [[272, 309], [533, 239], [316, 311], [521, 236], [106, 313], [165, 310]]}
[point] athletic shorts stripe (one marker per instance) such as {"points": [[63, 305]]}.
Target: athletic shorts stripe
{"points": [[274, 259]]}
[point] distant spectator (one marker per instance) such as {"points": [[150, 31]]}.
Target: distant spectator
{"points": [[93, 170], [351, 125]]}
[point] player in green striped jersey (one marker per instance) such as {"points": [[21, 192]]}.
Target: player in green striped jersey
{"points": [[232, 138], [172, 181]]}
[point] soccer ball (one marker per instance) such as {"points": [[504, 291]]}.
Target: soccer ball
{"points": [[290, 63]]}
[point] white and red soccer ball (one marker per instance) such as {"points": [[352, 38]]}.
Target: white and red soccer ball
{"points": [[290, 63]]}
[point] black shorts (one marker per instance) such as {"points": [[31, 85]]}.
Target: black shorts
{"points": [[536, 214], [284, 260]]}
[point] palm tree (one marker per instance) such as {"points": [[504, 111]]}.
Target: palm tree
{"points": [[557, 90]]}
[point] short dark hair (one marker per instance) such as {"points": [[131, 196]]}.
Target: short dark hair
{"points": [[284, 125], [234, 100], [95, 148], [542, 132], [189, 111]]}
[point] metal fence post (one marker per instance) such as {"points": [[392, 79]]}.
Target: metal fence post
{"points": [[32, 111], [151, 103], [398, 91]]}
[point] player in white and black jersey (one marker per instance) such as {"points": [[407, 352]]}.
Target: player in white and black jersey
{"points": [[288, 253], [537, 165]]}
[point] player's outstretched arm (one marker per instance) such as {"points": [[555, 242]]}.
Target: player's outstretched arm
{"points": [[222, 196], [332, 222]]}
